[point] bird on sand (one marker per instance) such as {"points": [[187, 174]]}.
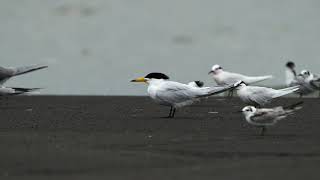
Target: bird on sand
{"points": [[294, 79], [311, 80], [7, 73], [265, 117], [259, 96], [175, 94], [222, 77]]}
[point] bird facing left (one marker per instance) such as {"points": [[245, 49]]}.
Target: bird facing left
{"points": [[175, 94]]}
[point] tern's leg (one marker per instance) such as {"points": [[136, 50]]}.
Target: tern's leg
{"points": [[230, 94], [171, 108], [263, 130], [173, 112], [319, 94], [300, 96]]}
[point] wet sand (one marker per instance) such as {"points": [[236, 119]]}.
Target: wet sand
{"points": [[48, 137]]}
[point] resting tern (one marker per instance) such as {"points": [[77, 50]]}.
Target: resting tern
{"points": [[259, 96], [222, 77], [312, 80], [268, 116], [294, 79], [7, 73], [175, 94]]}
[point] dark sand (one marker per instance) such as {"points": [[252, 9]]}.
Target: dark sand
{"points": [[126, 138]]}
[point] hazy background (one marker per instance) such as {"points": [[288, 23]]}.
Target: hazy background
{"points": [[97, 46]]}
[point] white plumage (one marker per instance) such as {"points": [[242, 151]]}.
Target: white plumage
{"points": [[222, 77], [175, 94], [259, 96], [7, 73], [268, 116]]}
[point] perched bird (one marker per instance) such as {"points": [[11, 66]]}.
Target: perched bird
{"points": [[268, 116], [10, 91], [294, 79], [259, 96], [311, 80], [175, 94], [7, 73], [222, 77]]}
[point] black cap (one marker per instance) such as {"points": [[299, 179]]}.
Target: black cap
{"points": [[199, 83], [290, 64], [156, 75]]}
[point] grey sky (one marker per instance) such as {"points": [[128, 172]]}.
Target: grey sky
{"points": [[97, 46]]}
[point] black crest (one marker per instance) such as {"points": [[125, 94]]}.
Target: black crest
{"points": [[290, 64], [199, 83], [156, 75]]}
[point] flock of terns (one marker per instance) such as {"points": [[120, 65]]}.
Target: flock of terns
{"points": [[176, 95]]}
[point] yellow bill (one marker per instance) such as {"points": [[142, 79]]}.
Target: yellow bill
{"points": [[141, 79]]}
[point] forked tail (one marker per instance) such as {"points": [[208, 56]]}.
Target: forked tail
{"points": [[27, 69]]}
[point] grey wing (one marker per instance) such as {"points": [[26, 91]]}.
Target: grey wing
{"points": [[27, 69], [5, 74], [315, 82], [177, 93], [260, 95], [210, 91], [264, 116]]}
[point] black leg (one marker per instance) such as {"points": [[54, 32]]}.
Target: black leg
{"points": [[230, 94], [173, 112], [263, 130], [300, 96], [171, 108]]}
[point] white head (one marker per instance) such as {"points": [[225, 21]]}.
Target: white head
{"points": [[305, 73], [151, 77], [248, 111], [216, 69]]}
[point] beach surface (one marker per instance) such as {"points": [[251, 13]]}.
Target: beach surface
{"points": [[93, 137]]}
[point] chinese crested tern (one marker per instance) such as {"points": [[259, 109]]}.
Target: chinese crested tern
{"points": [[259, 96], [175, 94], [268, 116], [7, 73]]}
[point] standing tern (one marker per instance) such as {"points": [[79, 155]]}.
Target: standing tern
{"points": [[294, 79], [7, 73], [268, 116], [175, 94], [259, 96], [222, 77]]}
